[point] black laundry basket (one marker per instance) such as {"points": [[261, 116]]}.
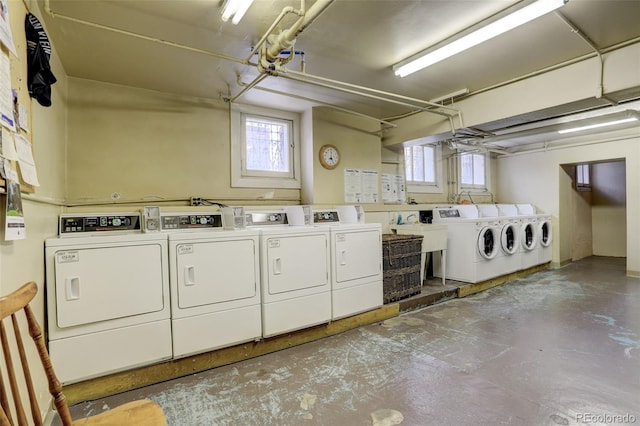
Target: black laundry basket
{"points": [[401, 261]]}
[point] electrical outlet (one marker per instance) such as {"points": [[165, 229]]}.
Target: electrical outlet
{"points": [[196, 201]]}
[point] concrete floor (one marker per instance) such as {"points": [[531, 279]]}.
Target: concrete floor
{"points": [[559, 347]]}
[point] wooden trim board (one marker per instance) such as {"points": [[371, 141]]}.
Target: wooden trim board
{"points": [[468, 289]]}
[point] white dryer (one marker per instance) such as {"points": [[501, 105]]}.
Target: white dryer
{"points": [[356, 261], [294, 272], [214, 277], [545, 238], [107, 295], [529, 254], [472, 244]]}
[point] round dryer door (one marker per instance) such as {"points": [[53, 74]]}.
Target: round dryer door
{"points": [[509, 238], [528, 236], [488, 243], [545, 233]]}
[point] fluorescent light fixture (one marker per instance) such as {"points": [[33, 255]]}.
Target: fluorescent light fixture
{"points": [[486, 32], [611, 122], [235, 9]]}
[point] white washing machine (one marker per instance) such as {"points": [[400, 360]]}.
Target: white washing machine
{"points": [[509, 237], [529, 254], [545, 238], [107, 295], [472, 244], [214, 277], [294, 272], [356, 261]]}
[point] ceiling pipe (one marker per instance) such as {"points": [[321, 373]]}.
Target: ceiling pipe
{"points": [[375, 94], [247, 87], [592, 45], [368, 89], [555, 67], [286, 38], [364, 94], [287, 10], [326, 104]]}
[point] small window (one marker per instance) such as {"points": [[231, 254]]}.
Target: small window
{"points": [[422, 168], [583, 177], [474, 172], [266, 145], [264, 150]]}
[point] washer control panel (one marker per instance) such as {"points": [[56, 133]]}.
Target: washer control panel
{"points": [[266, 218], [83, 224], [186, 221], [326, 216], [449, 213]]}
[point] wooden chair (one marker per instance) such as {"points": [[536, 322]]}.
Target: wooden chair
{"points": [[142, 412]]}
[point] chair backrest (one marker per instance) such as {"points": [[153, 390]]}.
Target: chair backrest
{"points": [[10, 307]]}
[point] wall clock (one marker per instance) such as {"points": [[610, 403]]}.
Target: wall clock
{"points": [[329, 156]]}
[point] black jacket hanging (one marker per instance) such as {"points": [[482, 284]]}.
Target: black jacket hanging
{"points": [[39, 75]]}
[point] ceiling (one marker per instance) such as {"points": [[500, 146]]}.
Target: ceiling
{"points": [[351, 41]]}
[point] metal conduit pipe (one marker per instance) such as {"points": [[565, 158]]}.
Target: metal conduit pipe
{"points": [[331, 84], [248, 87], [47, 8], [304, 98], [367, 95], [287, 10], [285, 39], [554, 67], [586, 39], [355, 86]]}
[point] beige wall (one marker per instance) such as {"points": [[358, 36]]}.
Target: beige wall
{"points": [[149, 147], [358, 145], [536, 178]]}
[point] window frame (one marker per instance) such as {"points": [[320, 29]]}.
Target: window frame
{"points": [[580, 185], [475, 188], [422, 186], [240, 177]]}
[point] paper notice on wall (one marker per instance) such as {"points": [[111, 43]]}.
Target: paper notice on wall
{"points": [[6, 95], [360, 186], [15, 228], [370, 186], [393, 191], [7, 145], [26, 161], [352, 186], [6, 36]]}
